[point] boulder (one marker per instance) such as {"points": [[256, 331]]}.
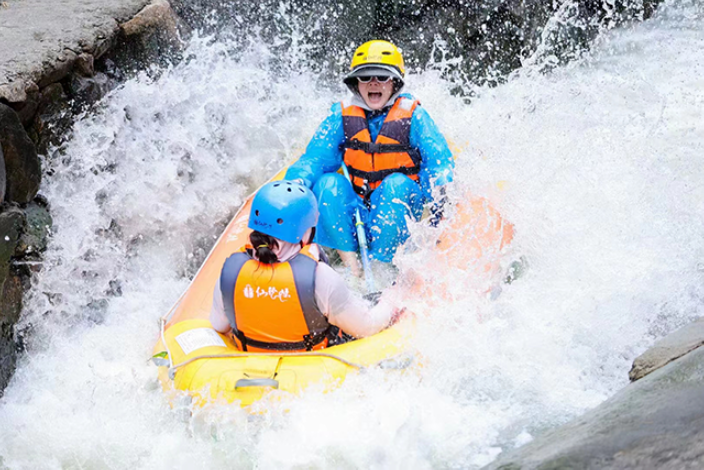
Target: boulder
{"points": [[27, 108], [671, 347], [37, 228], [11, 292], [52, 118], [151, 36], [85, 65], [56, 70], [656, 422], [13, 92], [22, 167], [12, 224], [157, 17], [85, 90]]}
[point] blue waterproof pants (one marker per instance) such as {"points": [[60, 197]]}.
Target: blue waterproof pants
{"points": [[396, 198]]}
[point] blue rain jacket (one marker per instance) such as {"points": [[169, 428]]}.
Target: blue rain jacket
{"points": [[398, 197], [323, 154]]}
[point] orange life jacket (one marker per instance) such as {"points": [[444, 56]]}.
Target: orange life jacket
{"points": [[369, 163], [272, 306]]}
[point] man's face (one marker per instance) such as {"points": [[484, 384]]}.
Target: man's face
{"points": [[375, 93]]}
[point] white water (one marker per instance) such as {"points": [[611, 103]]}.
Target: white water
{"points": [[602, 164]]}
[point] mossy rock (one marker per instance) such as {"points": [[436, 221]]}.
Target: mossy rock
{"points": [[38, 227], [12, 224]]}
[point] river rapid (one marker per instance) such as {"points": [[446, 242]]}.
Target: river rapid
{"points": [[597, 164]]}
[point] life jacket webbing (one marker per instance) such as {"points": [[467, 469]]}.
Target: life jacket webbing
{"points": [[303, 268], [394, 137]]}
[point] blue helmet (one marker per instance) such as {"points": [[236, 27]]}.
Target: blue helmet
{"points": [[284, 210]]}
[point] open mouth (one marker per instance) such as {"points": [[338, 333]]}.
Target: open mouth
{"points": [[374, 96]]}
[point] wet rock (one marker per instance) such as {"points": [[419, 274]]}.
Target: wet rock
{"points": [[28, 108], [12, 223], [52, 94], [2, 177], [158, 16], [38, 226], [103, 44], [85, 65], [85, 90], [673, 346], [22, 167], [11, 292], [52, 118], [151, 36], [473, 42], [656, 422], [56, 70], [13, 92]]}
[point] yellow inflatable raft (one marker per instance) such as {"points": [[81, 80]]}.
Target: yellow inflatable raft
{"points": [[194, 358]]}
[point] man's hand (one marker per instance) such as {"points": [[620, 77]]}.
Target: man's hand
{"points": [[437, 210]]}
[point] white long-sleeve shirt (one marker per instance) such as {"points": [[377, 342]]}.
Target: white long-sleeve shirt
{"points": [[335, 300]]}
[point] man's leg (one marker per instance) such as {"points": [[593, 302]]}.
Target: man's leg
{"points": [[336, 229], [396, 198]]}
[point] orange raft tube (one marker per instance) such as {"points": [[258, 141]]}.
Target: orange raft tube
{"points": [[195, 359]]}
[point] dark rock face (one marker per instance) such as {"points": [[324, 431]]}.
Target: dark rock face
{"points": [[3, 177], [656, 422], [11, 292], [57, 68], [12, 225], [12, 222], [50, 118], [36, 232], [22, 166], [479, 42], [489, 39]]}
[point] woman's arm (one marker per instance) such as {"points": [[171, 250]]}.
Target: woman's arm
{"points": [[218, 318], [346, 310]]}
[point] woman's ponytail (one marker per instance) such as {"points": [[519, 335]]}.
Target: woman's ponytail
{"points": [[264, 246]]}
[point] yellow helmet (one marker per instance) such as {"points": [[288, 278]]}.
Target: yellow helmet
{"points": [[376, 58]]}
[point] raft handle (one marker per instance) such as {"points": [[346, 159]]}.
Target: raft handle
{"points": [[241, 383]]}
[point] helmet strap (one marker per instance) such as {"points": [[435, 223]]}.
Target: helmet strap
{"points": [[310, 239]]}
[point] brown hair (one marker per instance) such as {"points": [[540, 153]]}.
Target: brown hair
{"points": [[264, 246]]}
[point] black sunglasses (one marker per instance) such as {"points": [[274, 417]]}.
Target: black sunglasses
{"points": [[380, 79]]}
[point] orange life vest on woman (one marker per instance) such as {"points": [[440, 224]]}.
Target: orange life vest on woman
{"points": [[272, 306], [370, 162]]}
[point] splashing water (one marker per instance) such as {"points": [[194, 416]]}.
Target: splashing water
{"points": [[599, 171]]}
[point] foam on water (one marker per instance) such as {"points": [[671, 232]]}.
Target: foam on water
{"points": [[600, 172]]}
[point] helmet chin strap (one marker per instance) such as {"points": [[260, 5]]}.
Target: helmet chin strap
{"points": [[311, 235]]}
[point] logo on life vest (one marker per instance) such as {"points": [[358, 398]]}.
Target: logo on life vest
{"points": [[272, 292], [248, 291]]}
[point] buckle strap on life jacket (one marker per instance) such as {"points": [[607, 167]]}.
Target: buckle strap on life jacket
{"points": [[308, 343], [372, 147], [379, 175]]}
